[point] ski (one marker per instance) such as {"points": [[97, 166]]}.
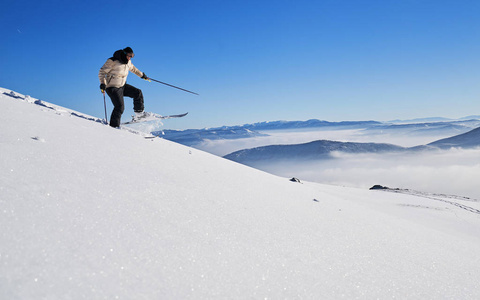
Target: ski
{"points": [[152, 116], [173, 116]]}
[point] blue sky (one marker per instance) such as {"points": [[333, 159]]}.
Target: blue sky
{"points": [[252, 61]]}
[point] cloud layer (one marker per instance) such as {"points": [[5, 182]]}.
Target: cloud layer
{"points": [[454, 171]]}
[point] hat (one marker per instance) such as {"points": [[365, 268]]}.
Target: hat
{"points": [[128, 50]]}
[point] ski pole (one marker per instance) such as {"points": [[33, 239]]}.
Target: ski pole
{"points": [[172, 86], [105, 105]]}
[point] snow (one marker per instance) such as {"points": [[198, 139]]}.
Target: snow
{"points": [[92, 212]]}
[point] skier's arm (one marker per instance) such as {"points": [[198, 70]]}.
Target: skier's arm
{"points": [[104, 70], [137, 72]]}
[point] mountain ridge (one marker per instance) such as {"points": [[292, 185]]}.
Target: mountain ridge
{"points": [[321, 149], [192, 137]]}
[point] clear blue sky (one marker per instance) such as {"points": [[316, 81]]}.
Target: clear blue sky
{"points": [[252, 61]]}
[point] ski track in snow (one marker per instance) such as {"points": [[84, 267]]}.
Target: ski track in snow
{"points": [[439, 197]]}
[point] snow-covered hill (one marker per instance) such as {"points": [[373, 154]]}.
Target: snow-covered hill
{"points": [[195, 137], [191, 137], [92, 212], [445, 128], [441, 128]]}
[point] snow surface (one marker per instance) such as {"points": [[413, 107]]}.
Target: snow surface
{"points": [[92, 212]]}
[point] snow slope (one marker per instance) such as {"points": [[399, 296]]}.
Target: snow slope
{"points": [[92, 212]]}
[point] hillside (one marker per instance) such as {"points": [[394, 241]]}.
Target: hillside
{"points": [[466, 140], [307, 151], [92, 212]]}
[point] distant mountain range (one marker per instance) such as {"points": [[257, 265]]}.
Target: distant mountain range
{"points": [[192, 137], [451, 127], [434, 119], [313, 123], [322, 149]]}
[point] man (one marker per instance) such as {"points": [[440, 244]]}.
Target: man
{"points": [[113, 77]]}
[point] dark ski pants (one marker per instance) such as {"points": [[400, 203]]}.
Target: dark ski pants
{"points": [[117, 94]]}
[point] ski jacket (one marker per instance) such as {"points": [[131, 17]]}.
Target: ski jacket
{"points": [[115, 70]]}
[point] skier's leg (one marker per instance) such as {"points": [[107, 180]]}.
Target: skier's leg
{"points": [[137, 95], [116, 95]]}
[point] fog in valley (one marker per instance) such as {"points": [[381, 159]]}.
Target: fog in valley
{"points": [[454, 171]]}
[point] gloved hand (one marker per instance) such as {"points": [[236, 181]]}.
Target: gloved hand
{"points": [[145, 76], [102, 87]]}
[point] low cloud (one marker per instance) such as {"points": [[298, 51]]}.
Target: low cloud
{"points": [[224, 147], [454, 171]]}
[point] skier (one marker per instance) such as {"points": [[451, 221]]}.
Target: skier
{"points": [[113, 77]]}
